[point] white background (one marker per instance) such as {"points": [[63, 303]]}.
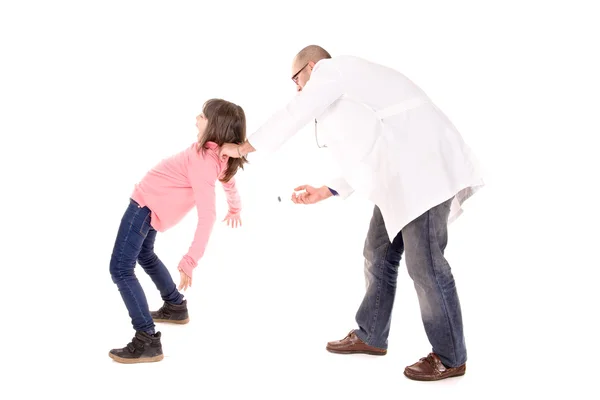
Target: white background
{"points": [[95, 93]]}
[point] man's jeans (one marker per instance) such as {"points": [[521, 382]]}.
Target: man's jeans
{"points": [[135, 242], [423, 241]]}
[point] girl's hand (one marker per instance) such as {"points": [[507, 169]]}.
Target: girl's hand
{"points": [[185, 281], [233, 219]]}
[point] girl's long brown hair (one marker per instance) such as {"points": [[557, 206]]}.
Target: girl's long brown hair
{"points": [[226, 124]]}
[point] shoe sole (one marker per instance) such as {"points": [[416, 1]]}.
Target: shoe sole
{"points": [[425, 379], [135, 360], [173, 321], [371, 353]]}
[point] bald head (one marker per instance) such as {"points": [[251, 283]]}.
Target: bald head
{"points": [[304, 62], [312, 53]]}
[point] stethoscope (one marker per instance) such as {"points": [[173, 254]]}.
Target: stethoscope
{"points": [[317, 138], [318, 145]]}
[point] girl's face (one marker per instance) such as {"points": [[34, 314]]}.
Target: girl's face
{"points": [[201, 123]]}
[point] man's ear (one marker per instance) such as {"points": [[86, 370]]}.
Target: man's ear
{"points": [[311, 64]]}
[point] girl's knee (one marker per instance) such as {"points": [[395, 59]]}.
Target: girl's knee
{"points": [[147, 258], [119, 271]]}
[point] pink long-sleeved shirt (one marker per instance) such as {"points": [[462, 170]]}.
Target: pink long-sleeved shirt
{"points": [[172, 188]]}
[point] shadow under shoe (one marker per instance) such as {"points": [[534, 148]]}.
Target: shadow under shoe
{"points": [[172, 313], [142, 348]]}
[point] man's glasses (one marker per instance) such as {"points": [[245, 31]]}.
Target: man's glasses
{"points": [[295, 76]]}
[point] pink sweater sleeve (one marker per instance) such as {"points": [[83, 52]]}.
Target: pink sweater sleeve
{"points": [[203, 174], [233, 197]]}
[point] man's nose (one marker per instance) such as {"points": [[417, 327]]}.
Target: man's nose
{"points": [[298, 88]]}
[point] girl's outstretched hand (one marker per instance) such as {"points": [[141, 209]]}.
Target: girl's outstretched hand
{"points": [[185, 281], [233, 219]]}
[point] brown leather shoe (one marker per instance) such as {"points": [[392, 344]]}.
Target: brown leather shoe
{"points": [[351, 344], [431, 368]]}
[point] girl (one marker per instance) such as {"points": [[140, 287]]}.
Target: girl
{"points": [[165, 195]]}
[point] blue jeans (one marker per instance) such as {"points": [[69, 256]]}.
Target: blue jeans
{"points": [[135, 243], [423, 242]]}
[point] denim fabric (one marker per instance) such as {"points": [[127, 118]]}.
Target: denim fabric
{"points": [[422, 242], [135, 243]]}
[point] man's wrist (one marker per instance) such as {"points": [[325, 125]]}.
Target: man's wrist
{"points": [[326, 191], [246, 148]]}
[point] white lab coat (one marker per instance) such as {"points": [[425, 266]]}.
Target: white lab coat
{"points": [[393, 145]]}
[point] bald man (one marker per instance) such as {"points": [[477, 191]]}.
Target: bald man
{"points": [[397, 149]]}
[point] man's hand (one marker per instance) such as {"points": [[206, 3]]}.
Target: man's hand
{"points": [[185, 281], [234, 219], [310, 195], [235, 150], [230, 150]]}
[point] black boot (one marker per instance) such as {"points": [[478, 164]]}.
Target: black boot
{"points": [[173, 313], [142, 348]]}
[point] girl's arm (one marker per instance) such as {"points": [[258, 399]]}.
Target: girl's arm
{"points": [[233, 197], [203, 185]]}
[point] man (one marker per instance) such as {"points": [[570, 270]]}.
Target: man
{"points": [[396, 148]]}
